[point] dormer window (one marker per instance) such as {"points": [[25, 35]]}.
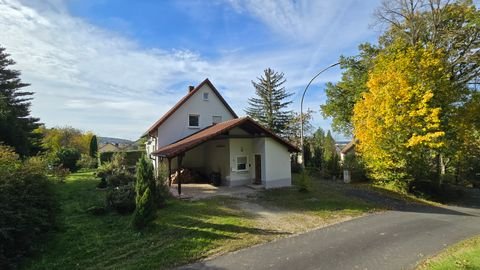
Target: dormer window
{"points": [[205, 96], [193, 121]]}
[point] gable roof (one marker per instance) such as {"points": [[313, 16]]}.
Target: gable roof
{"points": [[210, 132], [184, 99], [348, 147]]}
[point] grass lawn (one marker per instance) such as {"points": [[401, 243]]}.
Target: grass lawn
{"points": [[325, 200], [464, 255], [183, 232]]}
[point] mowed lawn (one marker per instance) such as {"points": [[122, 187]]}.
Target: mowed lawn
{"points": [[464, 255], [183, 232]]}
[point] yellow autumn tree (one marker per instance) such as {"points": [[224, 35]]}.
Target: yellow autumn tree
{"points": [[398, 121]]}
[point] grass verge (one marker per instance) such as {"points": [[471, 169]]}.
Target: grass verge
{"points": [[464, 255]]}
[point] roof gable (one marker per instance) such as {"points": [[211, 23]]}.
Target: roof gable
{"points": [[184, 99]]}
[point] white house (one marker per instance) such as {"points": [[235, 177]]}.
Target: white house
{"points": [[202, 132]]}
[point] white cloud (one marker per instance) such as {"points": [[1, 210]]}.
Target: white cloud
{"points": [[94, 79]]}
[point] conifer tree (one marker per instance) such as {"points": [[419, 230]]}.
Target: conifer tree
{"points": [[16, 124], [269, 106], [93, 146], [145, 189]]}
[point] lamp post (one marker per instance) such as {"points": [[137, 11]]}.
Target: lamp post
{"points": [[301, 109]]}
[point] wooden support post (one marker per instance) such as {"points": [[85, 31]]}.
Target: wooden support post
{"points": [[179, 177], [169, 172]]}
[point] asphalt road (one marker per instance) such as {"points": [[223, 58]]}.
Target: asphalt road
{"points": [[389, 240]]}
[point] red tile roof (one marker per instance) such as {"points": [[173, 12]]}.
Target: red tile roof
{"points": [[183, 100], [208, 133]]}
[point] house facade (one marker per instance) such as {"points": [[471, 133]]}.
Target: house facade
{"points": [[202, 133]]}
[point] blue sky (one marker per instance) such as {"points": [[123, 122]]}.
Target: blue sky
{"points": [[114, 66]]}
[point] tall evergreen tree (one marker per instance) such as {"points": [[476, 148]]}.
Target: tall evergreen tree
{"points": [[16, 125], [93, 146], [269, 107]]}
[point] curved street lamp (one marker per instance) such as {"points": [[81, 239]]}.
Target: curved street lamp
{"points": [[301, 110]]}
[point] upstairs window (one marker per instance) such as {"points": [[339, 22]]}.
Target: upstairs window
{"points": [[241, 163], [205, 96], [193, 120], [216, 119]]}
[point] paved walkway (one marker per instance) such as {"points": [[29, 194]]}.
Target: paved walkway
{"points": [[203, 191], [391, 240]]}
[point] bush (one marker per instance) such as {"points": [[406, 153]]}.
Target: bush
{"points": [[27, 206], [61, 173], [67, 158], [105, 170], [120, 179], [144, 211], [130, 157], [304, 182], [121, 199], [146, 197], [87, 162]]}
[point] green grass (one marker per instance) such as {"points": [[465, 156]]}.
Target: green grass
{"points": [[464, 255], [324, 199], [183, 231]]}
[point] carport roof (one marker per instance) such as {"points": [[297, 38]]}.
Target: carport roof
{"points": [[210, 132]]}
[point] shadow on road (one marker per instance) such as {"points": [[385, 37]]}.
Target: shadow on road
{"points": [[469, 206]]}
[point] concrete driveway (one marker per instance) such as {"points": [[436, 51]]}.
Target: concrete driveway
{"points": [[390, 240]]}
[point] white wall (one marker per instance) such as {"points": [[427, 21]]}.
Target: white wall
{"points": [[277, 165], [176, 126], [240, 147]]}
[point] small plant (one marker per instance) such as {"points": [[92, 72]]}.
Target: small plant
{"points": [[304, 182]]}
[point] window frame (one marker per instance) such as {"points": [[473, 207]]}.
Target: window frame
{"points": [[246, 163], [188, 119], [207, 94]]}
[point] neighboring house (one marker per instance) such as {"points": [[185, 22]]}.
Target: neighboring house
{"points": [[109, 147], [202, 132], [348, 149]]}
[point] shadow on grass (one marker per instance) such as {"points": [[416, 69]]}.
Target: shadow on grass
{"points": [[183, 232]]}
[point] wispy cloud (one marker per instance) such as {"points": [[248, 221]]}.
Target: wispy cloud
{"points": [[95, 79]]}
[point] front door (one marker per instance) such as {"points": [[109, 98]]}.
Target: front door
{"points": [[258, 170]]}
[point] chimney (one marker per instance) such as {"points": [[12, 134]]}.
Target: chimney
{"points": [[190, 88]]}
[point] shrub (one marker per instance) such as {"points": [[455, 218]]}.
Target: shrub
{"points": [[144, 211], [130, 157], [27, 206], [67, 158], [105, 170], [146, 197], [121, 199], [61, 173], [120, 179], [87, 162], [304, 182]]}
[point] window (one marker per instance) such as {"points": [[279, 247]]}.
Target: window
{"points": [[241, 163], [193, 120], [205, 96], [216, 119]]}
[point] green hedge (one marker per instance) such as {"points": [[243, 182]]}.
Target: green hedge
{"points": [[131, 157]]}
